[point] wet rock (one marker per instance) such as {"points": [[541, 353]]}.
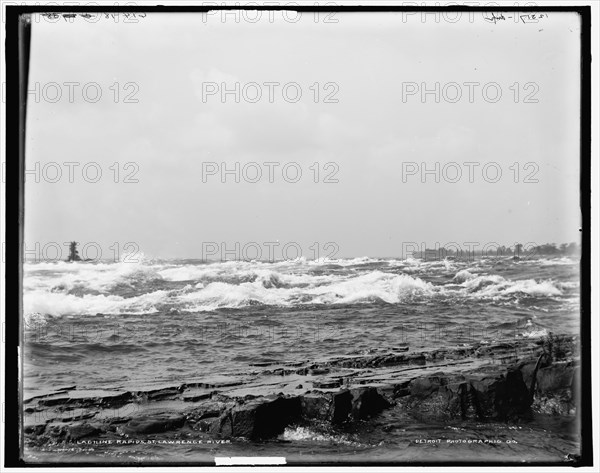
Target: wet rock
{"points": [[163, 393], [216, 384], [196, 397], [35, 429], [82, 416], [258, 418], [527, 369], [436, 355], [43, 396], [556, 377], [555, 405], [204, 425], [436, 397], [206, 416], [425, 386], [221, 426], [318, 371], [119, 420], [315, 406], [386, 390], [501, 396], [341, 406], [153, 424], [367, 402], [327, 383], [210, 420], [467, 389], [469, 404], [576, 387], [79, 431], [557, 389], [55, 401], [417, 359], [495, 395], [215, 412], [57, 432], [401, 389], [117, 399], [513, 396]]}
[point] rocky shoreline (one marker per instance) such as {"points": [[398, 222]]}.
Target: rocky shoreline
{"points": [[504, 381]]}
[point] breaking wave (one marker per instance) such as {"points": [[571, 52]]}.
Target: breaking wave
{"points": [[495, 285], [56, 289], [305, 434], [463, 276]]}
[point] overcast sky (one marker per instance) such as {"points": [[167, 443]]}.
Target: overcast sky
{"points": [[369, 127]]}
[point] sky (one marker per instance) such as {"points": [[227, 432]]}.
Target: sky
{"points": [[163, 135]]}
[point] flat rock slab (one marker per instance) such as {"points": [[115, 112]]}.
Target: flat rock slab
{"points": [[83, 397], [79, 431], [470, 382], [153, 424]]}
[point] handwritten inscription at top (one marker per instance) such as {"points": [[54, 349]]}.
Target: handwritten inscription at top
{"points": [[533, 17], [131, 17], [495, 17]]}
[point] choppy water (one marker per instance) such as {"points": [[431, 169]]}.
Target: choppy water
{"points": [[125, 325]]}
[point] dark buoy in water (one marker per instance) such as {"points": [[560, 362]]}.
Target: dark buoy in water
{"points": [[73, 253]]}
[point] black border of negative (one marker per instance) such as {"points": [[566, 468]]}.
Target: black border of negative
{"points": [[17, 59]]}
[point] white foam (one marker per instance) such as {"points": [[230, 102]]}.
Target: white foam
{"points": [[99, 277], [535, 333], [463, 275], [67, 288], [55, 304], [374, 285], [304, 434]]}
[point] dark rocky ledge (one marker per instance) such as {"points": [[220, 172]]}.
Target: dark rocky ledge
{"points": [[505, 381]]}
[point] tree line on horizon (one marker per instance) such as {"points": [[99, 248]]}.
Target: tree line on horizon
{"points": [[518, 250]]}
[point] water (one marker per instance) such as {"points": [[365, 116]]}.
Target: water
{"points": [[129, 326]]}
